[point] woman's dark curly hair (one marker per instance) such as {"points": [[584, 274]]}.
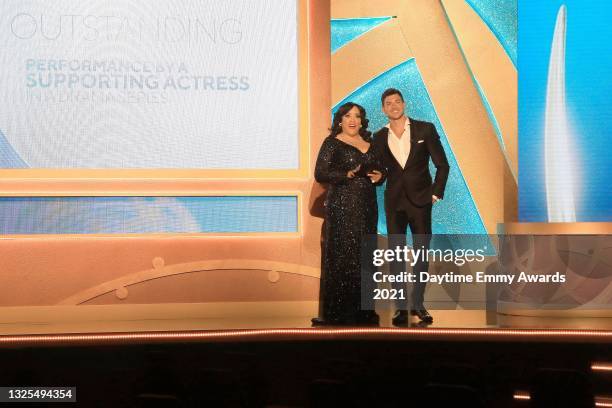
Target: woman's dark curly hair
{"points": [[343, 110]]}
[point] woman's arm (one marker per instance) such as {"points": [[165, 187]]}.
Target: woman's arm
{"points": [[324, 172]]}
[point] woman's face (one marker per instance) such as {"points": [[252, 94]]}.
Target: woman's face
{"points": [[351, 122]]}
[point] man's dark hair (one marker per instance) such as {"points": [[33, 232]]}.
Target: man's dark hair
{"points": [[389, 92]]}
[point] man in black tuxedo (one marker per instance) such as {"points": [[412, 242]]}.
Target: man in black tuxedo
{"points": [[407, 145]]}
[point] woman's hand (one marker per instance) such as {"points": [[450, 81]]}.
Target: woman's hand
{"points": [[352, 173], [375, 176]]}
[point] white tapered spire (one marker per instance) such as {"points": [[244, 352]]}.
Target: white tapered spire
{"points": [[558, 155]]}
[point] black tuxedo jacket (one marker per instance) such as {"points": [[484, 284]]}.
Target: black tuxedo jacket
{"points": [[414, 180]]}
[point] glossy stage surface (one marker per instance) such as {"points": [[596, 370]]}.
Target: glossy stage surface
{"points": [[449, 325]]}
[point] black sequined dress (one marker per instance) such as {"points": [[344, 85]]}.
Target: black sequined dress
{"points": [[350, 213]]}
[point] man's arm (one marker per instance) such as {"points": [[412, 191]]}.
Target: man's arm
{"points": [[378, 138], [438, 157], [379, 146]]}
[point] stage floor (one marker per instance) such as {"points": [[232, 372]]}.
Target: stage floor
{"points": [[451, 325], [443, 319]]}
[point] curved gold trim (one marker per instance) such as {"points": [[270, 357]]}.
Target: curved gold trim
{"points": [[359, 61], [179, 269]]}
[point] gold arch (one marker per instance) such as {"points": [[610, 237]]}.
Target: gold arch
{"points": [[159, 270]]}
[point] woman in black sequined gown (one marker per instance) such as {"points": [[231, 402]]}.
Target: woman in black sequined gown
{"points": [[352, 167]]}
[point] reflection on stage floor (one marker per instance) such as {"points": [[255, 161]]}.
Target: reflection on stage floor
{"points": [[447, 323]]}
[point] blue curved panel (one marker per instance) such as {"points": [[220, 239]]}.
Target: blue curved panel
{"points": [[9, 158], [346, 30], [130, 215], [501, 17], [457, 213]]}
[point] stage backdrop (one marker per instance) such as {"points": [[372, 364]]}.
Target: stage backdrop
{"points": [[438, 53]]}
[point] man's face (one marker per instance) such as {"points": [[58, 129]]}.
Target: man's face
{"points": [[393, 107]]}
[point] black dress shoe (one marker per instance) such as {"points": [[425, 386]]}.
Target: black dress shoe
{"points": [[320, 321], [400, 319], [422, 314]]}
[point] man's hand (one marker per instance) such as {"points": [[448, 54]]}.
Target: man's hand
{"points": [[375, 176], [434, 199]]}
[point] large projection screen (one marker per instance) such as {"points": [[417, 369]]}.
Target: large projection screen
{"points": [[199, 85]]}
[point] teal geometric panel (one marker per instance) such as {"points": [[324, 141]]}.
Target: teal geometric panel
{"points": [[346, 30]]}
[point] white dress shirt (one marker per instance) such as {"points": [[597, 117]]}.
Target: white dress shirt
{"points": [[400, 146]]}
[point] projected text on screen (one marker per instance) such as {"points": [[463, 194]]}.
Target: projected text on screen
{"points": [[191, 85]]}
